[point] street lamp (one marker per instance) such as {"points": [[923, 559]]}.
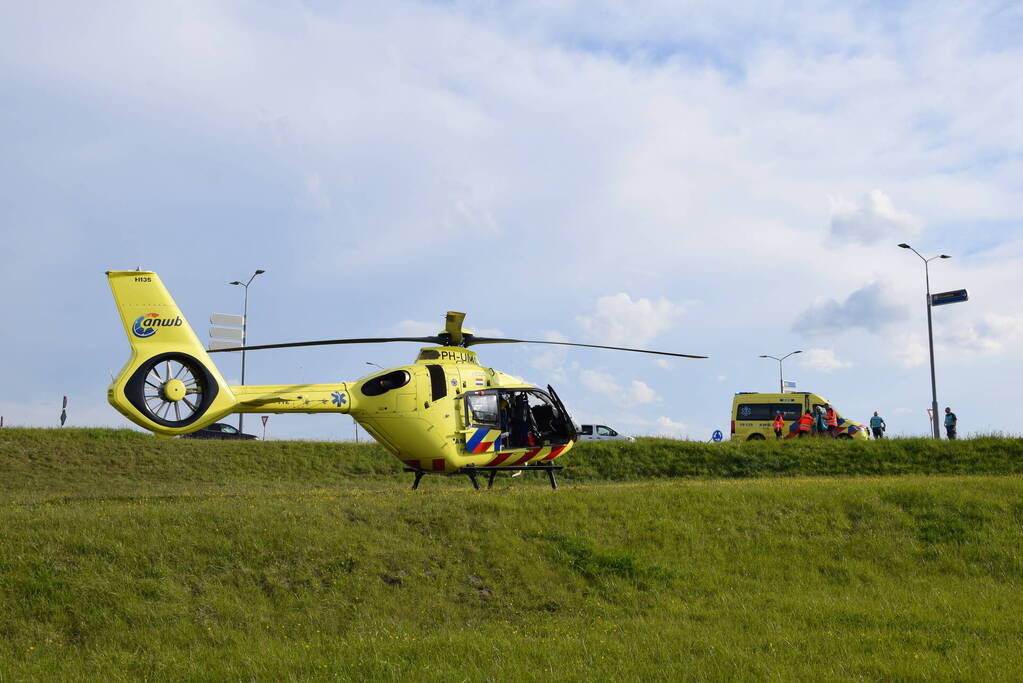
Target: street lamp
{"points": [[935, 430], [781, 382], [245, 323]]}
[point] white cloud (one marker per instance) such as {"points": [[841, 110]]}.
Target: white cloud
{"points": [[910, 350], [873, 218], [362, 150], [620, 321], [552, 361], [824, 360], [665, 426], [640, 393], [605, 384], [991, 334], [868, 308]]}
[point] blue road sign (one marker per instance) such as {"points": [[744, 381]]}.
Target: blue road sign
{"points": [[717, 436], [953, 297]]}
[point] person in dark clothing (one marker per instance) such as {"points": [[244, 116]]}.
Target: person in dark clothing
{"points": [[877, 426], [950, 424]]}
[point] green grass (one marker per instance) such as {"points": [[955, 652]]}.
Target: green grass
{"points": [[127, 557], [649, 458], [40, 462]]}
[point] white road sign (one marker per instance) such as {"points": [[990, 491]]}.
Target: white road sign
{"points": [[227, 319], [225, 333]]}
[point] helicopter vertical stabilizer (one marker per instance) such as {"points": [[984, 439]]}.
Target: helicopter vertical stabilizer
{"points": [[169, 385]]}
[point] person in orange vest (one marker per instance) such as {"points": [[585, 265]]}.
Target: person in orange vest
{"points": [[831, 420], [805, 423], [779, 424]]}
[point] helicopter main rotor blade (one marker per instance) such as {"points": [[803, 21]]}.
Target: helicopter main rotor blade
{"points": [[328, 342], [495, 340]]}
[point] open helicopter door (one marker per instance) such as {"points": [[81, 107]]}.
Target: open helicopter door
{"points": [[569, 425], [516, 425]]}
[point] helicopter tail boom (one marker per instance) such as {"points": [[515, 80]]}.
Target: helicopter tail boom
{"points": [[169, 384], [294, 398]]}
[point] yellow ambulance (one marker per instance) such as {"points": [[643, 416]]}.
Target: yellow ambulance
{"points": [[753, 414]]}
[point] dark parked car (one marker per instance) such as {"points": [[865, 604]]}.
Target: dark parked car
{"points": [[218, 430]]}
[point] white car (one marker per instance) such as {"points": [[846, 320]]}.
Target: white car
{"points": [[601, 433]]}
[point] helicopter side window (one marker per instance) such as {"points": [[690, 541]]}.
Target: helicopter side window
{"points": [[482, 408], [384, 383], [438, 387]]}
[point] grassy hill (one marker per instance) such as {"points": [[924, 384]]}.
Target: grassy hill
{"points": [[128, 557], [114, 462]]}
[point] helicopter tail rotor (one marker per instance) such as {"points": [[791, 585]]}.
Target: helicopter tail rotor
{"points": [[169, 385]]}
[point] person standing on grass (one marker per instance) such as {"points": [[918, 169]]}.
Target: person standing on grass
{"points": [[877, 426], [950, 424], [778, 424], [831, 420], [819, 426]]}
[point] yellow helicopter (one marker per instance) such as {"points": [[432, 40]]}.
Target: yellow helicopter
{"points": [[444, 413]]}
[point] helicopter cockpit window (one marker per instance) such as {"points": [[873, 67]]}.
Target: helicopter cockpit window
{"points": [[384, 383]]}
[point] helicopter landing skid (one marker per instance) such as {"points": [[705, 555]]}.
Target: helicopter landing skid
{"points": [[471, 472]]}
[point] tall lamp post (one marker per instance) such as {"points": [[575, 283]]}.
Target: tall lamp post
{"points": [[935, 429], [781, 382], [245, 324]]}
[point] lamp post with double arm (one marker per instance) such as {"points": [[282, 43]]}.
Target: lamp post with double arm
{"points": [[781, 381], [935, 429], [245, 324]]}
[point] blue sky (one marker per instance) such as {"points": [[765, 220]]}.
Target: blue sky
{"points": [[692, 177]]}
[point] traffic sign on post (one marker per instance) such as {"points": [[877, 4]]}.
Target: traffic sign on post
{"points": [[228, 319], [953, 297], [225, 333]]}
